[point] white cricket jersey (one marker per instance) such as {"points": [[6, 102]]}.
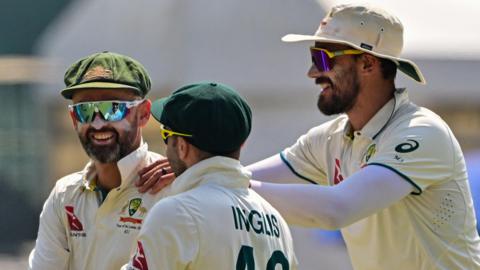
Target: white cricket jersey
{"points": [[214, 221], [79, 231], [432, 228]]}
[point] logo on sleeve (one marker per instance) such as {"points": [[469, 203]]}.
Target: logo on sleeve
{"points": [[76, 227], [407, 147], [139, 260]]}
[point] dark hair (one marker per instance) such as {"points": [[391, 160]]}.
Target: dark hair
{"points": [[389, 68]]}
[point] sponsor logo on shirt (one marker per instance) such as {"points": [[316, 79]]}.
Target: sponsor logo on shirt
{"points": [[407, 147], [76, 227], [131, 215], [337, 176], [139, 260], [258, 222]]}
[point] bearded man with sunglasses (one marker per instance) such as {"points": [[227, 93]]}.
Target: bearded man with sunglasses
{"points": [[91, 218], [388, 173]]}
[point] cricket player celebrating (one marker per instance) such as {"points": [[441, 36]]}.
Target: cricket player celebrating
{"points": [[91, 218], [212, 220], [389, 174]]}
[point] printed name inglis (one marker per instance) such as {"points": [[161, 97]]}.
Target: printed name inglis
{"points": [[258, 222]]}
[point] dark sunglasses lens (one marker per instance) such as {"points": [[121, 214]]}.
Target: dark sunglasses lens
{"points": [[321, 60], [84, 112], [112, 111]]}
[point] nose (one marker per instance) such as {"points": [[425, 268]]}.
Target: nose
{"points": [[98, 121], [313, 72]]}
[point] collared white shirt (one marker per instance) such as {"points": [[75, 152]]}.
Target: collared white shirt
{"points": [[434, 227], [214, 221], [81, 230]]}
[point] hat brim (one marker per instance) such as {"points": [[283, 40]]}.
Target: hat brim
{"points": [[68, 92], [404, 65], [157, 108]]}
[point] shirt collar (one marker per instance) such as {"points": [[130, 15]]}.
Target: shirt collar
{"points": [[380, 120], [223, 171], [127, 167]]}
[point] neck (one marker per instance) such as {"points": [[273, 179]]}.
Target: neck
{"points": [[108, 175], [369, 101]]}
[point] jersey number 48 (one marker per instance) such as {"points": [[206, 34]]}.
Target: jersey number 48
{"points": [[246, 261]]}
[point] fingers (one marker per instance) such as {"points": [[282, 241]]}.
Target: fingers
{"points": [[155, 177], [164, 181], [147, 172]]}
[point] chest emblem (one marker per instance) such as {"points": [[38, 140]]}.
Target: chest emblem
{"points": [[337, 176], [372, 149], [74, 224], [132, 214]]}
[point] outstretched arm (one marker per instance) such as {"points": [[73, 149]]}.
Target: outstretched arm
{"points": [[332, 207]]}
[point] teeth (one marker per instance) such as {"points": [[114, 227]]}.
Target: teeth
{"points": [[102, 136], [323, 86]]}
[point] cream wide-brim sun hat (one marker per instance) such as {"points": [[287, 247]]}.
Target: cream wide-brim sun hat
{"points": [[366, 28]]}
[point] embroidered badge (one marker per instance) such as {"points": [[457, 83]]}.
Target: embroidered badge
{"points": [[372, 149], [131, 215], [97, 73]]}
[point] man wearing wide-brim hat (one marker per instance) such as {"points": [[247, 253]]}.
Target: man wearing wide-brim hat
{"points": [[388, 173]]}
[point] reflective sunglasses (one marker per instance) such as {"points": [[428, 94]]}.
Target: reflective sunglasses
{"points": [[322, 58], [109, 110], [169, 133]]}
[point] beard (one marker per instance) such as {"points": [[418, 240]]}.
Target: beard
{"points": [[178, 166], [122, 146], [343, 94]]}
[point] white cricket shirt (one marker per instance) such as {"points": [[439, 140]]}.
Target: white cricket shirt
{"points": [[79, 231], [214, 221], [435, 226]]}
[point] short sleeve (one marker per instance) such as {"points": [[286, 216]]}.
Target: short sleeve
{"points": [[168, 238], [51, 247], [306, 157], [422, 152]]}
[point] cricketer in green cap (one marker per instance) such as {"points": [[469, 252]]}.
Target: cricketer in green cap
{"points": [[106, 70], [210, 116]]}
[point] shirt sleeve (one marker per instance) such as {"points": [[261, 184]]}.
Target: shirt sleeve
{"points": [[423, 153], [168, 239], [306, 157], [51, 247]]}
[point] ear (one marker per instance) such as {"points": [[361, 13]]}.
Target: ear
{"points": [[183, 148], [144, 112], [368, 64]]}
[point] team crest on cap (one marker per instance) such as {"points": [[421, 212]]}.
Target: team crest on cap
{"points": [[96, 73]]}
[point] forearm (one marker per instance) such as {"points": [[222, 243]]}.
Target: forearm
{"points": [[333, 207], [273, 170]]}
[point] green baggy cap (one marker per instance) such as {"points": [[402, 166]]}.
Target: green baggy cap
{"points": [[219, 119], [106, 70]]}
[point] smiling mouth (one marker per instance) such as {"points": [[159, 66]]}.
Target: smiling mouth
{"points": [[323, 86], [102, 137]]}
